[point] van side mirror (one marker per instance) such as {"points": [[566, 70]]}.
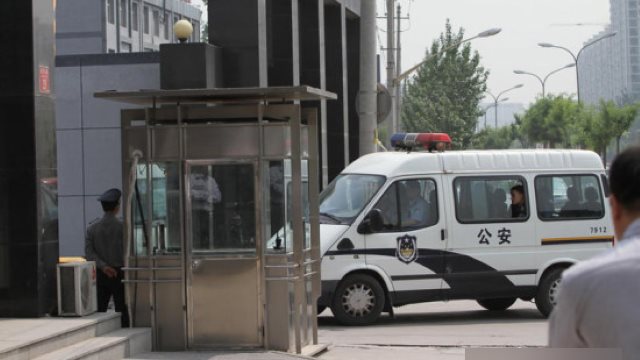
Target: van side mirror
{"points": [[372, 223]]}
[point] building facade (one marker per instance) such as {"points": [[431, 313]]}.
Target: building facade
{"points": [[262, 43], [610, 69], [120, 26]]}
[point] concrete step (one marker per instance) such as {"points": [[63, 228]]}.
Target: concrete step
{"points": [[24, 339], [115, 345]]}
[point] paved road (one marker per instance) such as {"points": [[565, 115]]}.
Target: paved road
{"points": [[434, 331]]}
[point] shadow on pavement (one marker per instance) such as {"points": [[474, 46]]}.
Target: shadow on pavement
{"points": [[447, 317]]}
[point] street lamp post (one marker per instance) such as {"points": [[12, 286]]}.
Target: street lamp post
{"points": [[484, 34], [496, 99], [486, 109], [543, 82], [576, 57]]}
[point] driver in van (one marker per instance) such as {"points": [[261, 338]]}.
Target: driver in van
{"points": [[415, 207]]}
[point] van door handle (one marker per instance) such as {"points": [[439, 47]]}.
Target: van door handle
{"points": [[443, 234]]}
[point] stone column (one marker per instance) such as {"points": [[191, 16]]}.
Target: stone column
{"points": [[28, 176]]}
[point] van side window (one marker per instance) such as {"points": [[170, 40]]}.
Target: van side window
{"points": [[409, 205], [564, 197], [491, 199]]}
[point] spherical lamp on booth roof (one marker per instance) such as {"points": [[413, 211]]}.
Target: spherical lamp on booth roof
{"points": [[183, 30]]}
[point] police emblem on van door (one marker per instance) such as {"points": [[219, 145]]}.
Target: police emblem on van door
{"points": [[407, 250]]}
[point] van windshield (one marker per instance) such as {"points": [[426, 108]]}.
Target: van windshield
{"points": [[346, 196]]}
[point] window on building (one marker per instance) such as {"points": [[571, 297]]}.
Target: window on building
{"points": [[491, 199], [125, 47], [124, 18], [148, 49], [569, 196], [111, 8], [134, 16], [196, 32], [409, 204], [156, 23], [111, 51], [166, 26], [145, 14]]}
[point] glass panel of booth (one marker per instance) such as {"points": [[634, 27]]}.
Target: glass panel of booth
{"points": [[221, 208], [279, 211], [165, 209]]}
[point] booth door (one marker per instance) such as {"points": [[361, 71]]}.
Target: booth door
{"points": [[223, 263]]}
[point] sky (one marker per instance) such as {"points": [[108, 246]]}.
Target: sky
{"points": [[524, 23]]}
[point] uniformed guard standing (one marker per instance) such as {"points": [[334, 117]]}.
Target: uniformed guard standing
{"points": [[104, 245]]}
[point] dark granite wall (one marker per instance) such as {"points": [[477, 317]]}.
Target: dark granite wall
{"points": [[28, 179], [234, 26], [336, 72]]}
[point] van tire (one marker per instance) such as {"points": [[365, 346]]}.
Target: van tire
{"points": [[548, 291], [499, 304], [358, 300]]}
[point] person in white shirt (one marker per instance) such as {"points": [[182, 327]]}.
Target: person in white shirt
{"points": [[599, 299]]}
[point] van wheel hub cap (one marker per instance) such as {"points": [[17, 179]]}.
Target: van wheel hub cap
{"points": [[358, 300], [553, 292]]}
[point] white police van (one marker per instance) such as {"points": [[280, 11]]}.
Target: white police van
{"points": [[407, 227]]}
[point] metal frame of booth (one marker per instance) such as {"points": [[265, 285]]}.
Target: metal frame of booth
{"points": [[223, 284]]}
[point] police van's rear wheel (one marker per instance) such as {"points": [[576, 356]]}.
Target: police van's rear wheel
{"points": [[500, 304], [358, 300], [548, 291]]}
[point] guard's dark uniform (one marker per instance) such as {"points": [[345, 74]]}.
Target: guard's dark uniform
{"points": [[104, 245]]}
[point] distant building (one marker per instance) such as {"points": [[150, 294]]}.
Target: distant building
{"points": [[506, 114], [120, 26], [610, 69]]}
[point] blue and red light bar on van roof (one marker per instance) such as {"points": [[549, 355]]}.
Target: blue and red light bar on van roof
{"points": [[420, 141]]}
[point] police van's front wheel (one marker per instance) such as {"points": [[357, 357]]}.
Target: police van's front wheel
{"points": [[358, 300], [548, 291]]}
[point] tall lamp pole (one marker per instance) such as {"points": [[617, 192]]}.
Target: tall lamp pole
{"points": [[486, 109], [496, 99], [576, 57], [543, 82], [484, 34]]}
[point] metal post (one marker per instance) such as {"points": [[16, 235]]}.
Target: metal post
{"points": [[398, 103], [496, 105], [577, 81], [391, 126], [367, 109]]}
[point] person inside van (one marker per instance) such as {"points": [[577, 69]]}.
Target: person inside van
{"points": [[388, 207], [544, 198], [592, 205], [572, 207], [415, 207], [518, 207]]}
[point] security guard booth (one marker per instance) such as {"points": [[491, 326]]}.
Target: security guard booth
{"points": [[221, 216]]}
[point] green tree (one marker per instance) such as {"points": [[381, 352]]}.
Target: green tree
{"points": [[550, 121], [615, 121], [491, 138], [445, 93]]}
